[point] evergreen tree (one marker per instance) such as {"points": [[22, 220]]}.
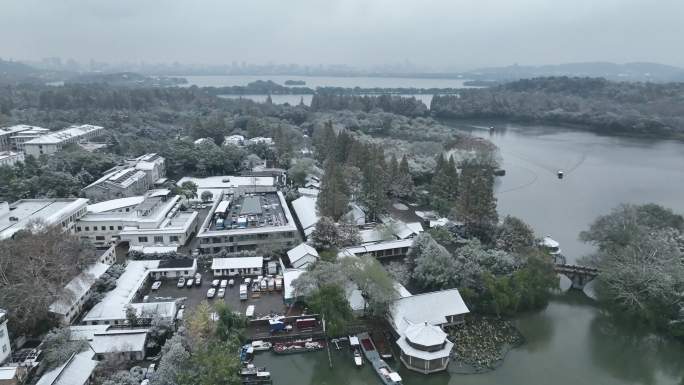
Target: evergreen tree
{"points": [[374, 195], [333, 198], [406, 180], [324, 141], [476, 204]]}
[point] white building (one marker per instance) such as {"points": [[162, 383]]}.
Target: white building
{"points": [[129, 287], [18, 215], [243, 266], [127, 344], [54, 141], [154, 221], [307, 214], [235, 140], [75, 294], [5, 346], [382, 249], [418, 321], [302, 256], [6, 134], [260, 140], [255, 217], [78, 370], [134, 178], [10, 158]]}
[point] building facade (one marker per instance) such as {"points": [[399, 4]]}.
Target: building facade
{"points": [[5, 347], [54, 141], [20, 214], [10, 158]]}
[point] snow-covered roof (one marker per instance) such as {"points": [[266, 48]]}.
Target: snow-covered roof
{"points": [[222, 182], [425, 334], [119, 340], [405, 230], [305, 209], [300, 251], [371, 235], [8, 372], [237, 263], [432, 308], [289, 275], [113, 305], [312, 192], [222, 207], [115, 204], [401, 290], [355, 215], [65, 134], [354, 297], [422, 354], [77, 288], [386, 245], [76, 371], [86, 332], [549, 242], [154, 249], [51, 211], [19, 128]]}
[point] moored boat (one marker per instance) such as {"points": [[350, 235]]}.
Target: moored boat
{"points": [[384, 371], [298, 347], [261, 345]]}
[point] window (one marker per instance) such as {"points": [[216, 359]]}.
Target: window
{"points": [[78, 228], [111, 228], [119, 228], [158, 239], [103, 228], [142, 239], [100, 238], [173, 238], [2, 332], [87, 228]]}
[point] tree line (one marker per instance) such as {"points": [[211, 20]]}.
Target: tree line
{"points": [[602, 105]]}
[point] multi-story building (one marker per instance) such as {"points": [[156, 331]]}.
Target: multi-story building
{"points": [[10, 158], [134, 178], [245, 220], [6, 134], [17, 141], [18, 215], [5, 348], [152, 220], [54, 141]]}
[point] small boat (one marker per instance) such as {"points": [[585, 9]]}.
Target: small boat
{"points": [[550, 245], [251, 370], [358, 360], [560, 174], [386, 374], [298, 347], [261, 345]]}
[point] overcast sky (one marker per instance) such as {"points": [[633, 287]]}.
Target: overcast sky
{"points": [[453, 34]]}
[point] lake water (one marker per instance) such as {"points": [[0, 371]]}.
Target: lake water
{"points": [[326, 81], [306, 99], [571, 342]]}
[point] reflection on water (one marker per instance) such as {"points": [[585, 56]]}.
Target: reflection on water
{"points": [[572, 341]]}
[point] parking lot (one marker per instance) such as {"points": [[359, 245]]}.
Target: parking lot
{"points": [[267, 303]]}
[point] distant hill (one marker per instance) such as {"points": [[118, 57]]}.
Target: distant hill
{"points": [[15, 72], [637, 71]]}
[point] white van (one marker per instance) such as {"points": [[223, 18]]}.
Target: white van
{"points": [[243, 292]]}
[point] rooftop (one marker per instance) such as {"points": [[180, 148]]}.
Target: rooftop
{"points": [[305, 209], [76, 371], [249, 214], [77, 288], [300, 251], [431, 308], [23, 211], [119, 340], [115, 204], [65, 134], [18, 128], [237, 263], [113, 305]]}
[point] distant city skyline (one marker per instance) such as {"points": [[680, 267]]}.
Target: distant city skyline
{"points": [[431, 35]]}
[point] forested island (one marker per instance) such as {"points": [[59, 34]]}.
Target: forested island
{"points": [[598, 104]]}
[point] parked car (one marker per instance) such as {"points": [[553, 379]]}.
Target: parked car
{"points": [[215, 283], [156, 285], [181, 282], [222, 292], [211, 293], [243, 292], [231, 282], [189, 282], [198, 279], [224, 283]]}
